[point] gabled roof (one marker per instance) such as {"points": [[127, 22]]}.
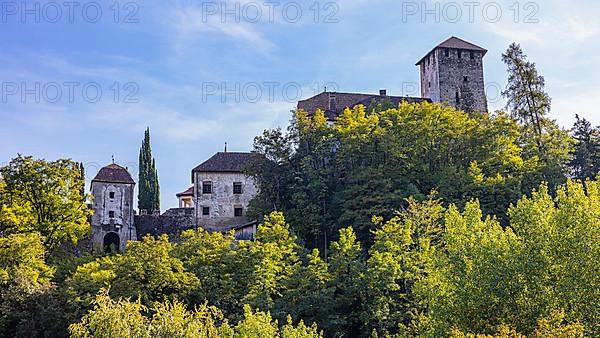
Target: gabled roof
{"points": [[188, 192], [347, 100], [113, 173], [455, 43], [224, 162]]}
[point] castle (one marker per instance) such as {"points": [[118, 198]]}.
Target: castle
{"points": [[217, 201], [451, 73]]}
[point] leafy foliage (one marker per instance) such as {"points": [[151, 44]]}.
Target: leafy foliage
{"points": [[486, 275], [44, 197], [366, 163]]}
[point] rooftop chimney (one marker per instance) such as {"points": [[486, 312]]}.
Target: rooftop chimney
{"points": [[383, 92]]}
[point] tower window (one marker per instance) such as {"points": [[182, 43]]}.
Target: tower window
{"points": [[457, 98], [207, 187], [466, 78], [237, 188], [447, 52], [205, 211], [238, 212], [111, 194], [459, 54], [429, 84], [111, 214], [472, 55]]}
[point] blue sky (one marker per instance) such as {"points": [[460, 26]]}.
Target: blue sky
{"points": [[170, 61]]}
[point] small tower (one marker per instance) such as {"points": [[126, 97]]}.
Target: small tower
{"points": [[112, 221], [453, 73]]}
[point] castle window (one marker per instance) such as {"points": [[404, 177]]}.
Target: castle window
{"points": [[447, 52], [466, 78], [459, 54], [238, 211], [111, 214], [207, 187], [429, 84], [457, 98], [472, 55], [237, 188], [205, 211], [111, 194]]}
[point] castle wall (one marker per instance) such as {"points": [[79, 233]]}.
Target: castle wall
{"points": [[222, 201], [429, 77], [172, 222]]}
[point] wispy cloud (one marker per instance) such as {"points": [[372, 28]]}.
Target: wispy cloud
{"points": [[194, 29]]}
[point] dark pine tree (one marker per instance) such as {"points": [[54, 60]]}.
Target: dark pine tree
{"points": [[148, 186], [585, 163]]}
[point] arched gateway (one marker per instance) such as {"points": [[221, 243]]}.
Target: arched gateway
{"points": [[112, 242]]}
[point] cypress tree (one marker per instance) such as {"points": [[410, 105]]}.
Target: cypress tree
{"points": [[148, 187]]}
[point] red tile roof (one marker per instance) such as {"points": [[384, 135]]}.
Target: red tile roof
{"points": [[113, 173], [455, 43], [188, 192]]}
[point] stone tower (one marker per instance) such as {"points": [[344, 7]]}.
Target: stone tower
{"points": [[453, 73], [112, 221]]}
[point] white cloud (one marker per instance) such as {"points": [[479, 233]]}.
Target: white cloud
{"points": [[192, 28]]}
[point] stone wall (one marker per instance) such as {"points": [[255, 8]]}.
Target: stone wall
{"points": [[172, 222], [222, 201], [429, 77]]}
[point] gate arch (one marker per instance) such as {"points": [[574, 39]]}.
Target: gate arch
{"points": [[112, 242]]}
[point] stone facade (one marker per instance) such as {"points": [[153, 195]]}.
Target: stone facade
{"points": [[112, 221], [452, 73], [222, 201]]}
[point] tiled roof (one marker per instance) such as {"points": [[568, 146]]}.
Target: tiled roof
{"points": [[347, 100], [188, 192], [224, 162], [113, 173], [455, 43]]}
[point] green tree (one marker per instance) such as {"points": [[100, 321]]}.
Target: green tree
{"points": [[148, 271], [223, 266], [114, 319], [486, 275], [367, 162], [585, 163], [148, 186], [309, 294], [44, 197], [399, 258], [347, 269], [275, 261], [29, 305], [172, 319], [270, 169], [527, 99]]}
